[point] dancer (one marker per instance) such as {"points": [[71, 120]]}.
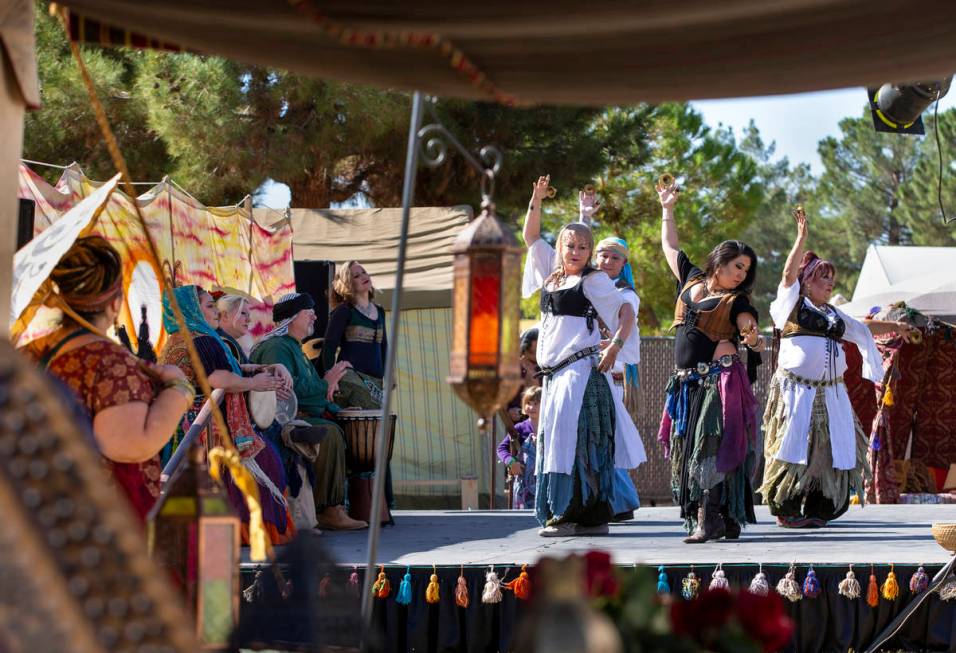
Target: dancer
{"points": [[612, 259], [709, 422], [815, 446], [583, 433]]}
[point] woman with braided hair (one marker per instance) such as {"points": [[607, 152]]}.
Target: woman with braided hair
{"points": [[134, 406]]}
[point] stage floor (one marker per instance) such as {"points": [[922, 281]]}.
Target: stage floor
{"points": [[876, 534]]}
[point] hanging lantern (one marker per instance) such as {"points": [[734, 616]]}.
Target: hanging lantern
{"points": [[194, 535], [484, 366]]}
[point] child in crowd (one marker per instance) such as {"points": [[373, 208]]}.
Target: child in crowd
{"points": [[520, 459]]}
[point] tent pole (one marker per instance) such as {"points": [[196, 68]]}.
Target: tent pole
{"points": [[381, 450]]}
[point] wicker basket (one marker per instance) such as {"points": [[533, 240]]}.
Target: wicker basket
{"points": [[945, 534]]}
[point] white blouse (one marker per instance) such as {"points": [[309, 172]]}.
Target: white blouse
{"points": [[819, 359]]}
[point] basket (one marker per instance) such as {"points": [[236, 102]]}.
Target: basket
{"points": [[945, 534]]}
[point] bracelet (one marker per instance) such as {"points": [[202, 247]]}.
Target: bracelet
{"points": [[181, 385], [618, 341]]}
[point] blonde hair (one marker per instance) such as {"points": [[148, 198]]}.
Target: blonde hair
{"points": [[342, 292], [573, 230], [230, 304], [532, 394]]}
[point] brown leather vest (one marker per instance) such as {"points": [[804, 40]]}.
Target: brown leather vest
{"points": [[713, 323]]}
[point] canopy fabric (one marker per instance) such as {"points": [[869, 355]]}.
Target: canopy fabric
{"points": [[207, 246], [371, 237], [565, 52]]}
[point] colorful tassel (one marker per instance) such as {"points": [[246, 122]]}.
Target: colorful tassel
{"points": [[811, 586], [492, 591], [788, 587], [690, 585], [759, 585], [849, 586], [890, 589], [719, 580], [431, 592], [353, 584], [663, 587], [920, 581], [521, 585], [872, 591], [381, 588], [324, 585], [404, 596], [461, 590], [888, 399]]}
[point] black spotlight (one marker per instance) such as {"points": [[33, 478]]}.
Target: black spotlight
{"points": [[896, 108]]}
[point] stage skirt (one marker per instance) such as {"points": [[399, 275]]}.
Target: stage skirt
{"points": [[815, 490], [709, 429], [583, 496]]}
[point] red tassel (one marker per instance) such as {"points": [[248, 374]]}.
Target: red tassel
{"points": [[521, 585], [324, 585], [461, 590], [873, 591]]}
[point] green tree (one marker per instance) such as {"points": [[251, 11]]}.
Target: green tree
{"points": [[919, 208]]}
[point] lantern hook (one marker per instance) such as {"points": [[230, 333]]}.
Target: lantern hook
{"points": [[434, 140]]}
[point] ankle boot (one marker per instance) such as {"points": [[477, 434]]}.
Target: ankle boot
{"points": [[710, 523]]}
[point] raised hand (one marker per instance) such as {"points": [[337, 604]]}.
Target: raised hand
{"points": [[539, 189], [667, 194], [587, 206], [800, 216]]}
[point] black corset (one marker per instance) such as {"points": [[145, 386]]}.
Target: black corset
{"points": [[569, 301], [818, 323]]}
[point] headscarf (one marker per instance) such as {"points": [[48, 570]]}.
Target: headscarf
{"points": [[285, 310], [188, 299], [619, 246]]}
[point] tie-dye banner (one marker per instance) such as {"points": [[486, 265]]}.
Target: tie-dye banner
{"points": [[207, 246]]}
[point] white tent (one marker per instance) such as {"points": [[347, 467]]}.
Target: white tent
{"points": [[923, 277]]}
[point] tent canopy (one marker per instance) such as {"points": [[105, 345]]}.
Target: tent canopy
{"points": [[565, 51], [371, 236]]}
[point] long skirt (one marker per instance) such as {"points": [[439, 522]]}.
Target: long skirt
{"points": [[583, 496], [709, 428], [815, 490]]}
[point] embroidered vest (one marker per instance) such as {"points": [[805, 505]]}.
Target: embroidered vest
{"points": [[570, 301], [804, 321], [712, 322]]}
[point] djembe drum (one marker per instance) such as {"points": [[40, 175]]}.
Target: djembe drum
{"points": [[361, 436]]}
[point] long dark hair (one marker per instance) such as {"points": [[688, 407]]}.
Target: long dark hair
{"points": [[726, 252]]}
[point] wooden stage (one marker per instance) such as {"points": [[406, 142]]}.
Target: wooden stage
{"points": [[877, 534]]}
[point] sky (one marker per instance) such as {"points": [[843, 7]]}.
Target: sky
{"points": [[796, 123]]}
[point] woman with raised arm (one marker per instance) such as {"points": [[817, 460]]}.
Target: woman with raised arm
{"points": [[709, 423], [584, 433], [815, 446]]}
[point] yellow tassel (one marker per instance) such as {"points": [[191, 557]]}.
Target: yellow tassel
{"points": [[431, 592], [888, 395], [259, 544], [891, 588]]}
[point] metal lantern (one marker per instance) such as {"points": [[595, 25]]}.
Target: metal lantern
{"points": [[484, 366], [194, 535]]}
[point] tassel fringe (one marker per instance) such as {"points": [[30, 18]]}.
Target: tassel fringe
{"points": [[690, 586], [920, 581], [719, 580], [849, 586], [891, 588], [811, 586], [789, 588], [404, 596], [663, 587], [492, 590], [461, 590], [872, 591]]}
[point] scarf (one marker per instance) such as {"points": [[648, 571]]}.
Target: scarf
{"points": [[188, 299]]}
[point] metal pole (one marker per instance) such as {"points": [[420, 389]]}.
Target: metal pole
{"points": [[378, 489]]}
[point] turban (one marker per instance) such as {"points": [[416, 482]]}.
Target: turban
{"points": [[289, 306]]}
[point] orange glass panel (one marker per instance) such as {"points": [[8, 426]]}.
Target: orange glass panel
{"points": [[485, 310]]}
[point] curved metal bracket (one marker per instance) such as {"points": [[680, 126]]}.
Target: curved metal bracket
{"points": [[434, 140]]}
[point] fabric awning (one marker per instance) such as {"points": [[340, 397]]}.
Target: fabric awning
{"points": [[566, 51], [371, 236]]}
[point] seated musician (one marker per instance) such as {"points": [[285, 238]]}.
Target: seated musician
{"points": [[294, 319]]}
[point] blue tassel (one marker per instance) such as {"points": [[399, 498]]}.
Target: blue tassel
{"points": [[811, 586], [663, 587], [404, 596]]}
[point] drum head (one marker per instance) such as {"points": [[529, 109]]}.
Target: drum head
{"points": [[262, 407], [286, 409]]}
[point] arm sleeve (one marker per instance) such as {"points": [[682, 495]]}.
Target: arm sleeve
{"points": [[538, 264], [338, 320], [686, 269], [605, 297], [782, 306], [857, 333], [742, 305], [504, 449], [630, 353], [212, 355]]}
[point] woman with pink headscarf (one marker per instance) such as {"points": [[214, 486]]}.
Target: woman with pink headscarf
{"points": [[815, 448]]}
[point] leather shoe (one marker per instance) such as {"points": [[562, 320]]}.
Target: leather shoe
{"points": [[334, 518]]}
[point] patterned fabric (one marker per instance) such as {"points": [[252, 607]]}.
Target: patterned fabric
{"points": [[815, 489], [188, 299], [103, 375], [584, 496]]}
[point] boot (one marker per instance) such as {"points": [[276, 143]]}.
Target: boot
{"points": [[710, 523], [731, 528], [333, 518]]}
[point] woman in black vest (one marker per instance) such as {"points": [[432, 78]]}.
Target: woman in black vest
{"points": [[584, 432]]}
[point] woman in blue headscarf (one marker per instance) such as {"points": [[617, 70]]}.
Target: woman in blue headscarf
{"points": [[611, 256], [224, 372]]}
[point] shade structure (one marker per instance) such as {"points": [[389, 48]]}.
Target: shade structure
{"points": [[562, 52]]}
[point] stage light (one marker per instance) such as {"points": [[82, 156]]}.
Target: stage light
{"points": [[896, 108], [484, 368]]}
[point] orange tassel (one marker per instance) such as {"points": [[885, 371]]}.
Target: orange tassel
{"points": [[431, 592], [521, 585], [461, 590], [873, 591], [381, 588]]}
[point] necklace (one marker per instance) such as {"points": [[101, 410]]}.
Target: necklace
{"points": [[368, 310]]}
